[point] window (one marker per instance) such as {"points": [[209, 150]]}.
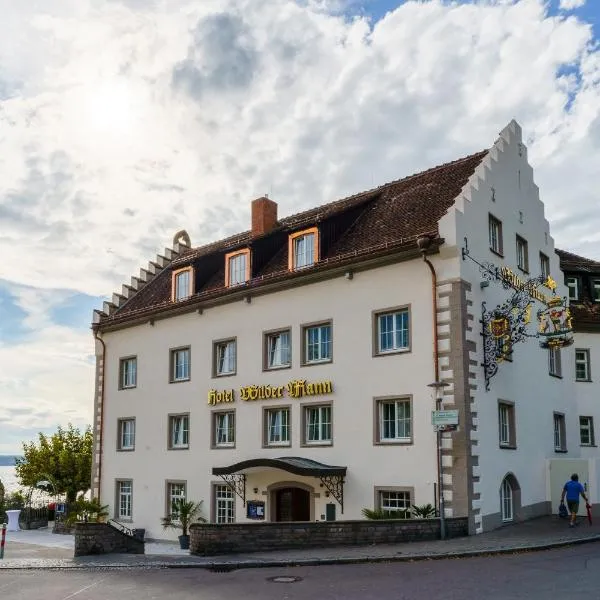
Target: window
{"points": [[237, 268], [394, 421], [573, 285], [225, 359], [596, 290], [278, 352], [582, 365], [179, 431], [560, 442], [522, 254], [506, 425], [175, 495], [277, 427], [128, 373], [544, 265], [554, 362], [180, 365], [224, 429], [317, 425], [182, 284], [395, 502], [126, 434], [495, 235], [506, 501], [224, 504], [392, 332], [303, 249], [124, 497], [586, 431], [317, 344]]}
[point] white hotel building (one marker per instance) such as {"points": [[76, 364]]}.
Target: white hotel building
{"points": [[284, 373]]}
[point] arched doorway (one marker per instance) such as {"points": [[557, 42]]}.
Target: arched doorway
{"points": [[292, 504], [510, 499]]}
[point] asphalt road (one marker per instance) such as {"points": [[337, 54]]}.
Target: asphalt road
{"points": [[571, 573]]}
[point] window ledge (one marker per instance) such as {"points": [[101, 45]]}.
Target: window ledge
{"points": [[314, 363], [584, 381], [277, 367], [560, 451], [508, 447], [221, 375], [588, 445], [316, 444], [394, 442], [129, 387], [125, 449], [496, 252], [391, 352], [223, 447], [557, 376], [178, 448], [180, 380], [525, 271]]}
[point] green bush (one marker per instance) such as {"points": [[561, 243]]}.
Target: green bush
{"points": [[380, 514], [425, 511]]}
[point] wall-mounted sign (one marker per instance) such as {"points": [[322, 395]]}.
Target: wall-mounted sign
{"points": [[555, 324], [529, 286], [444, 417], [255, 509], [298, 388]]}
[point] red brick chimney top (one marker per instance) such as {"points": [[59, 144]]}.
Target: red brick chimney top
{"points": [[264, 216]]}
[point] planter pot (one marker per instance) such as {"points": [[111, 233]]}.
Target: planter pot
{"points": [[184, 542]]}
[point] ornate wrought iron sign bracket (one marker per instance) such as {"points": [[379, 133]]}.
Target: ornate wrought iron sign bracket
{"points": [[335, 486], [507, 324], [237, 483]]}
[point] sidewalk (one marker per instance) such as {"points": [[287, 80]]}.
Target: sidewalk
{"points": [[538, 534]]}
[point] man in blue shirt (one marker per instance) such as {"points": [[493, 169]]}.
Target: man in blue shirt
{"points": [[573, 489]]}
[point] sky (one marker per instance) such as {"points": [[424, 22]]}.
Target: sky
{"points": [[124, 121]]}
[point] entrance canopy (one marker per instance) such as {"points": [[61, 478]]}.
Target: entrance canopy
{"points": [[332, 477]]}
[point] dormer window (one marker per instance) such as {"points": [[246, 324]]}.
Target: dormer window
{"points": [[182, 284], [237, 267], [304, 249]]}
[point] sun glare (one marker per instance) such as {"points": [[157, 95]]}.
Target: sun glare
{"points": [[111, 109]]}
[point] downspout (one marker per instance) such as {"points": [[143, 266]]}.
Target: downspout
{"points": [[423, 244], [100, 436]]}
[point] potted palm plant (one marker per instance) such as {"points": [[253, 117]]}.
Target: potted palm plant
{"points": [[183, 514]]}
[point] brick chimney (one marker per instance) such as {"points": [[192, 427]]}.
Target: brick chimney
{"points": [[264, 216]]}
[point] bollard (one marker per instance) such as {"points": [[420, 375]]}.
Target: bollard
{"points": [[3, 539]]}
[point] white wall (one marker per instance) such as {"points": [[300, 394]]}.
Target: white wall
{"points": [[357, 378]]}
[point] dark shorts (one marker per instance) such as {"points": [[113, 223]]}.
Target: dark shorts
{"points": [[573, 506]]}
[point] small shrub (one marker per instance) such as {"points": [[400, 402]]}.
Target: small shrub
{"points": [[425, 511], [380, 514]]}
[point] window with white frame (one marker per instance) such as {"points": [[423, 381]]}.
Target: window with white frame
{"points": [[586, 431], [303, 250], [544, 265], [398, 503], [393, 333], [506, 425], [176, 494], [596, 290], [394, 420], [126, 434], [317, 421], [506, 501], [582, 364], [317, 343], [278, 349], [124, 499], [522, 254], [554, 362], [277, 427], [560, 442], [179, 431], [182, 284], [225, 358], [237, 268], [180, 365], [224, 429], [573, 285], [224, 504], [495, 235], [128, 372]]}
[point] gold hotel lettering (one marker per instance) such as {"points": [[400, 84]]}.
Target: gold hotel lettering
{"points": [[294, 389], [215, 397]]}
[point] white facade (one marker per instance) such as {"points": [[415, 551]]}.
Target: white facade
{"points": [[475, 461]]}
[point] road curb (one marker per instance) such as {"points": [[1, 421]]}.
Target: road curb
{"points": [[224, 566]]}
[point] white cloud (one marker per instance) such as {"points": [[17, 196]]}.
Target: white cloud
{"points": [[125, 121], [571, 4]]}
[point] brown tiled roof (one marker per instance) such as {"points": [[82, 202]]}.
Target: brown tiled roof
{"points": [[586, 313], [384, 219]]}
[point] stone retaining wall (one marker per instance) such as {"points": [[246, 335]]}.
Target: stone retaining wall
{"points": [[210, 538], [100, 538]]}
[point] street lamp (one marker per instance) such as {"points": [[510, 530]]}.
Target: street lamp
{"points": [[438, 387]]}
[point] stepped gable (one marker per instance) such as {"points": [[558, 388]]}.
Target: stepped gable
{"points": [[384, 219], [585, 313]]}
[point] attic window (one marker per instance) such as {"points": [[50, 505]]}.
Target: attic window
{"points": [[303, 250], [182, 284], [237, 267]]}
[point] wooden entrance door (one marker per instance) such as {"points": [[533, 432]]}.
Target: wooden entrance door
{"points": [[292, 504]]}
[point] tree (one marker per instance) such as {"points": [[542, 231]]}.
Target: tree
{"points": [[64, 459]]}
